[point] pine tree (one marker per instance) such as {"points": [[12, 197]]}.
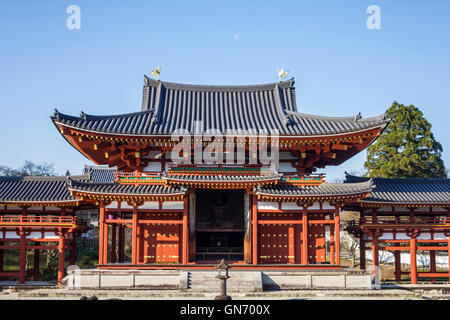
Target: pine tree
{"points": [[407, 148]]}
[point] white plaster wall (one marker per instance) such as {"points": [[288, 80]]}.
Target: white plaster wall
{"points": [[52, 209], [150, 205], [290, 206], [11, 235], [315, 206], [387, 236], [422, 210], [439, 236], [267, 205], [113, 205], [424, 236], [125, 205], [172, 205], [326, 206], [11, 208], [35, 208], [384, 209]]}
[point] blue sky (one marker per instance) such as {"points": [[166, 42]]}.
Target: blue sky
{"points": [[340, 66]]}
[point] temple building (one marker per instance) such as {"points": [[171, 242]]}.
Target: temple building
{"points": [[186, 213], [404, 215]]}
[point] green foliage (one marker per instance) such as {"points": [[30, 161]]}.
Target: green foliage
{"points": [[49, 271], [407, 148], [88, 259]]}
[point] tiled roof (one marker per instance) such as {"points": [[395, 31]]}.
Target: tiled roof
{"points": [[325, 189], [168, 107], [35, 189], [413, 190], [222, 178], [124, 189], [100, 173]]}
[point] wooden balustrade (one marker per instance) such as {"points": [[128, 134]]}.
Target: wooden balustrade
{"points": [[19, 219], [399, 220]]}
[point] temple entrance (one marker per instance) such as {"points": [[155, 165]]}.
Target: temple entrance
{"points": [[219, 225]]}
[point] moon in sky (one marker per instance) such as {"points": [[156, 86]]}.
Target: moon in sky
{"points": [[236, 36]]}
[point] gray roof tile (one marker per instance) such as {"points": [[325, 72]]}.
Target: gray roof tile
{"points": [[36, 189], [124, 189], [222, 178], [100, 173], [413, 190], [325, 189], [168, 107]]}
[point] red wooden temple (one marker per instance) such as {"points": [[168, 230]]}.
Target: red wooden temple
{"points": [[404, 215], [189, 215], [38, 213]]}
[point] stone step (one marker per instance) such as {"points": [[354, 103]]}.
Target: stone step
{"points": [[238, 281]]}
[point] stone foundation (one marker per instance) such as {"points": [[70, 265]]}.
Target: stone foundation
{"points": [[206, 281]]}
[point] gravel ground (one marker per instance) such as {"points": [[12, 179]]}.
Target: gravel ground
{"points": [[15, 293]]}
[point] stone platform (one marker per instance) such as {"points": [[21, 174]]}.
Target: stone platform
{"points": [[206, 281]]}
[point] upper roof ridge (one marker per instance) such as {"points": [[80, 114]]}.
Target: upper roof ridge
{"points": [[148, 82]]}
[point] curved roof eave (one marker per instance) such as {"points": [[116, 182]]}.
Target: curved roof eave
{"points": [[380, 125]]}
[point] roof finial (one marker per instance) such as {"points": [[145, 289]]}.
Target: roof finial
{"points": [[156, 73], [282, 74], [56, 114]]}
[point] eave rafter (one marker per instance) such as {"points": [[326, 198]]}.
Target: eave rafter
{"points": [[376, 204], [332, 199], [106, 198], [222, 184], [128, 152]]}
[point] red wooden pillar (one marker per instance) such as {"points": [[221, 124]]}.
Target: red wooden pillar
{"points": [[134, 249], [413, 248], [105, 240], [22, 259], [305, 235], [139, 244], [36, 263], [113, 243], [433, 264], [101, 224], [362, 252], [398, 266], [254, 230], [61, 258], [332, 243], [185, 230], [337, 235], [291, 257], [375, 254]]}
